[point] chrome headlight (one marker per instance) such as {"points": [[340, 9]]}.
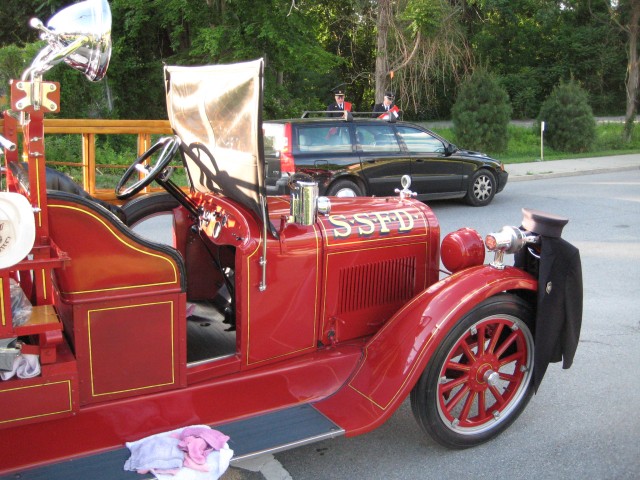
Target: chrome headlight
{"points": [[507, 240]]}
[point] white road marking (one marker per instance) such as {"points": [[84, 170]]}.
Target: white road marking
{"points": [[267, 464]]}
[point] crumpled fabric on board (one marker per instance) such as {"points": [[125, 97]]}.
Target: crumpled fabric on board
{"points": [[168, 455], [217, 463], [198, 443], [157, 452]]}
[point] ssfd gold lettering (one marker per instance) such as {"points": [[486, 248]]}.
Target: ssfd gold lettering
{"points": [[382, 216], [363, 219], [339, 221], [404, 227], [367, 224]]}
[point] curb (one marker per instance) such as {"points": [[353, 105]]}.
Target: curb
{"points": [[542, 176]]}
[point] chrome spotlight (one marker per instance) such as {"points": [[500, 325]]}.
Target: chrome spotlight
{"points": [[79, 35]]}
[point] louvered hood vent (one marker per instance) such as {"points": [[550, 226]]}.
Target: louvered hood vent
{"points": [[376, 284]]}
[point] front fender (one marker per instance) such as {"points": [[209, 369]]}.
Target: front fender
{"points": [[395, 357]]}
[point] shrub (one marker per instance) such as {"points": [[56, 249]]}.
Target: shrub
{"points": [[569, 122], [524, 91], [482, 113]]}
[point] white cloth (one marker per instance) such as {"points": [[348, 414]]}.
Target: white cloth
{"points": [[24, 366], [217, 461], [157, 451]]}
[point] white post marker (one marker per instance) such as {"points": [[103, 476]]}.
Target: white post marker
{"points": [[542, 141]]}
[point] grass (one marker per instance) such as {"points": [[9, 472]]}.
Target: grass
{"points": [[524, 144]]}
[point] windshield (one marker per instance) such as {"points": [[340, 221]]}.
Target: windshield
{"points": [[215, 110]]}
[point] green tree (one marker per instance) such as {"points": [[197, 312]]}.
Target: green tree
{"points": [[344, 29], [570, 126], [625, 15], [481, 113], [13, 61], [534, 44], [421, 46], [187, 32], [309, 47], [15, 16]]}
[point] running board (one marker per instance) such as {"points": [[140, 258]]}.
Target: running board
{"points": [[278, 431], [268, 433]]}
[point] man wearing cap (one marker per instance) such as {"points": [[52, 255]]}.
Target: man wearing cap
{"points": [[339, 106], [386, 105]]}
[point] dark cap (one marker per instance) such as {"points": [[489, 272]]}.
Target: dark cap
{"points": [[542, 223], [389, 94], [338, 91]]}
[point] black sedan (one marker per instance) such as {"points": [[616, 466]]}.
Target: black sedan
{"points": [[355, 157]]}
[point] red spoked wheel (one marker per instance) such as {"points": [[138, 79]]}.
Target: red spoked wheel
{"points": [[480, 378]]}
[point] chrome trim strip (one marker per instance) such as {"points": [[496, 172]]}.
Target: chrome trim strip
{"points": [[288, 446]]}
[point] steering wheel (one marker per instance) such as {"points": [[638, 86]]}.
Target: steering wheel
{"points": [[169, 146]]}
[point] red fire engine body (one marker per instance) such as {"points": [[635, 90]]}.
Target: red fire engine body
{"points": [[332, 310]]}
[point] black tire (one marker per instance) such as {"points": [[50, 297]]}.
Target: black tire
{"points": [[464, 398], [482, 188], [147, 206], [344, 188]]}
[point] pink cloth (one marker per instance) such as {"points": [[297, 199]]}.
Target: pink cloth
{"points": [[214, 438], [196, 453], [198, 443]]}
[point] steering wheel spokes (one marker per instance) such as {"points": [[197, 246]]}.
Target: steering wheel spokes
{"points": [[168, 146], [143, 169]]}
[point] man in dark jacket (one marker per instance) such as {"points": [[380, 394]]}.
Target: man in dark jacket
{"points": [[339, 106], [386, 105]]}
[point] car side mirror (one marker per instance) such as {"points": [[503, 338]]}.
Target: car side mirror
{"points": [[450, 149]]}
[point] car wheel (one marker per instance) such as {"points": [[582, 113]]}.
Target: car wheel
{"points": [[482, 188], [480, 378], [344, 188], [148, 206]]}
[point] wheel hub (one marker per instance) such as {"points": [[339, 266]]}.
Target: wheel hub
{"points": [[483, 373], [483, 188], [491, 377]]}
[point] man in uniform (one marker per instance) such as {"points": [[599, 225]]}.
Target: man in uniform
{"points": [[339, 106], [386, 105]]}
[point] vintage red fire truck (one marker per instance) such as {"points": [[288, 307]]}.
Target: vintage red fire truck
{"points": [[276, 320]]}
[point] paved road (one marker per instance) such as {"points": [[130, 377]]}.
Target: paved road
{"points": [[583, 423]]}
